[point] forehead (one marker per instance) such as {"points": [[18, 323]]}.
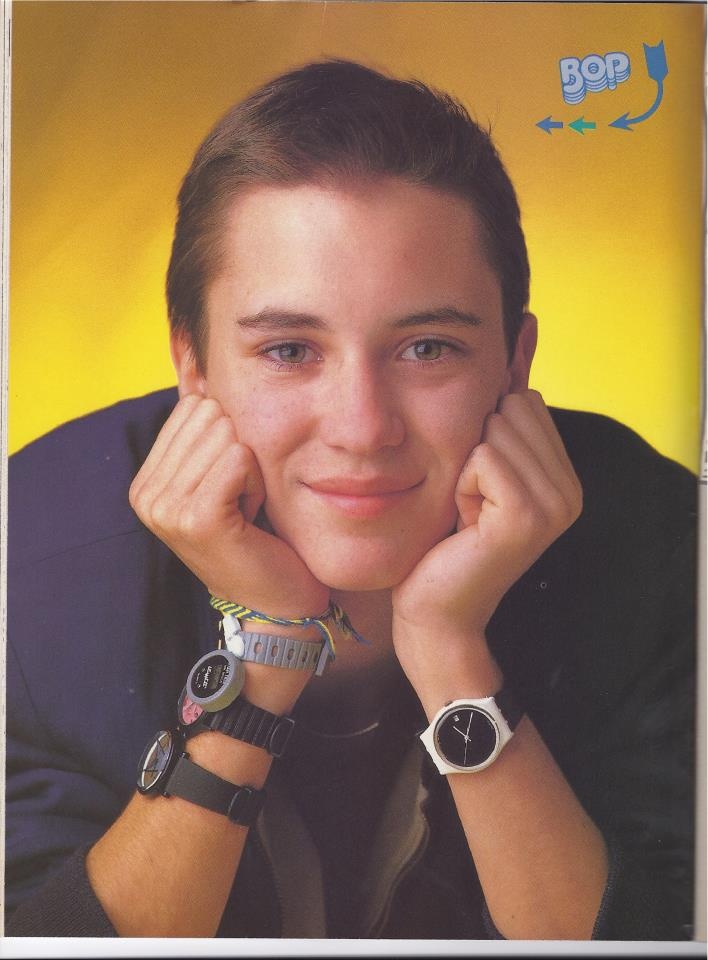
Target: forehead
{"points": [[355, 247]]}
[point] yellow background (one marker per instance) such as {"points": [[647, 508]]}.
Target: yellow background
{"points": [[109, 101]]}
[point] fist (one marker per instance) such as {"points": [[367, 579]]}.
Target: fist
{"points": [[516, 494], [199, 491]]}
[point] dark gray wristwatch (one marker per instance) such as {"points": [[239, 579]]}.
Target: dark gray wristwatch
{"points": [[165, 769], [241, 720]]}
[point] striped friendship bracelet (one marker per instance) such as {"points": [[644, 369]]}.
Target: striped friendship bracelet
{"points": [[333, 613]]}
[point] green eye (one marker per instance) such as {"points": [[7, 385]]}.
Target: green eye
{"points": [[290, 352], [428, 350]]}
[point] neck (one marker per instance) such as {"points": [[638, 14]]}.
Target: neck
{"points": [[370, 613], [353, 688]]}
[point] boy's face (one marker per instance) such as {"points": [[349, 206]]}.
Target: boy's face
{"points": [[356, 341]]}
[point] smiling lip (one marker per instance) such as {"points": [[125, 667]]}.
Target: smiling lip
{"points": [[362, 498]]}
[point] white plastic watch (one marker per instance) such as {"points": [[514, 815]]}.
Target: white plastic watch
{"points": [[466, 736]]}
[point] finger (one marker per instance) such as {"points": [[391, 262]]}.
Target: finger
{"points": [[531, 419], [192, 454], [516, 495], [181, 460], [175, 468], [235, 478], [174, 423], [530, 407], [214, 503], [518, 434], [488, 476], [546, 481], [199, 419], [144, 486]]}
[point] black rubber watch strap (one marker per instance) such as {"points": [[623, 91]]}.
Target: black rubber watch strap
{"points": [[191, 782], [509, 706], [251, 724]]}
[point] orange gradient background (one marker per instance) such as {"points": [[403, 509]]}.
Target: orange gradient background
{"points": [[109, 101]]}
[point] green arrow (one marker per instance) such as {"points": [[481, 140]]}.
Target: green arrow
{"points": [[581, 125]]}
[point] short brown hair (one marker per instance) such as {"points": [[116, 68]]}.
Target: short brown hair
{"points": [[331, 121]]}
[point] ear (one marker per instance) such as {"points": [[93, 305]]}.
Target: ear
{"points": [[189, 377], [520, 365]]}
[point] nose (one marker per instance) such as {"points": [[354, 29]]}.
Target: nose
{"points": [[362, 412]]}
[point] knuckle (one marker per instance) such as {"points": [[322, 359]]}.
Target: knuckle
{"points": [[210, 407], [134, 493], [565, 510], [223, 427], [482, 451], [189, 523], [558, 508], [577, 489], [159, 516], [244, 459], [236, 458]]}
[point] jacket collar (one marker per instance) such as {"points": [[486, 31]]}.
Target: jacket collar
{"points": [[401, 839]]}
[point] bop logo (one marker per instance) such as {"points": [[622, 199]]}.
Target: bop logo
{"points": [[592, 73]]}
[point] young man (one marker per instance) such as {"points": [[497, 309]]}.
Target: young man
{"points": [[347, 294]]}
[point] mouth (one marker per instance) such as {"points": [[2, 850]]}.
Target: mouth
{"points": [[362, 498]]}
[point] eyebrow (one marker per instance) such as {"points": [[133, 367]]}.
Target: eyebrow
{"points": [[447, 315], [274, 319]]}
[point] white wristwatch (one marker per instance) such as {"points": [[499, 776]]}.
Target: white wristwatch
{"points": [[466, 736]]}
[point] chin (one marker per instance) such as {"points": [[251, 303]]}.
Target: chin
{"points": [[361, 567], [361, 581]]}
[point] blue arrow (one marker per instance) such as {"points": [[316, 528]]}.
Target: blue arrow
{"points": [[549, 124], [657, 69]]}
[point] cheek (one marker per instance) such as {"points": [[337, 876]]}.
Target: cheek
{"points": [[271, 428], [453, 429]]}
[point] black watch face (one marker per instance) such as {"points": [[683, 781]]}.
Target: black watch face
{"points": [[155, 761], [466, 737], [216, 680], [210, 676]]}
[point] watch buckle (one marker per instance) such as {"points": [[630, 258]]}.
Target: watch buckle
{"points": [[280, 737], [238, 807]]}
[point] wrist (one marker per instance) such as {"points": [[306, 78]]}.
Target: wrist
{"points": [[273, 688], [443, 667], [231, 759]]}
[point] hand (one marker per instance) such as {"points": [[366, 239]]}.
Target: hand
{"points": [[516, 494], [199, 491]]}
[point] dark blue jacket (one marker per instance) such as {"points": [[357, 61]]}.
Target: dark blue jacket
{"points": [[104, 623]]}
